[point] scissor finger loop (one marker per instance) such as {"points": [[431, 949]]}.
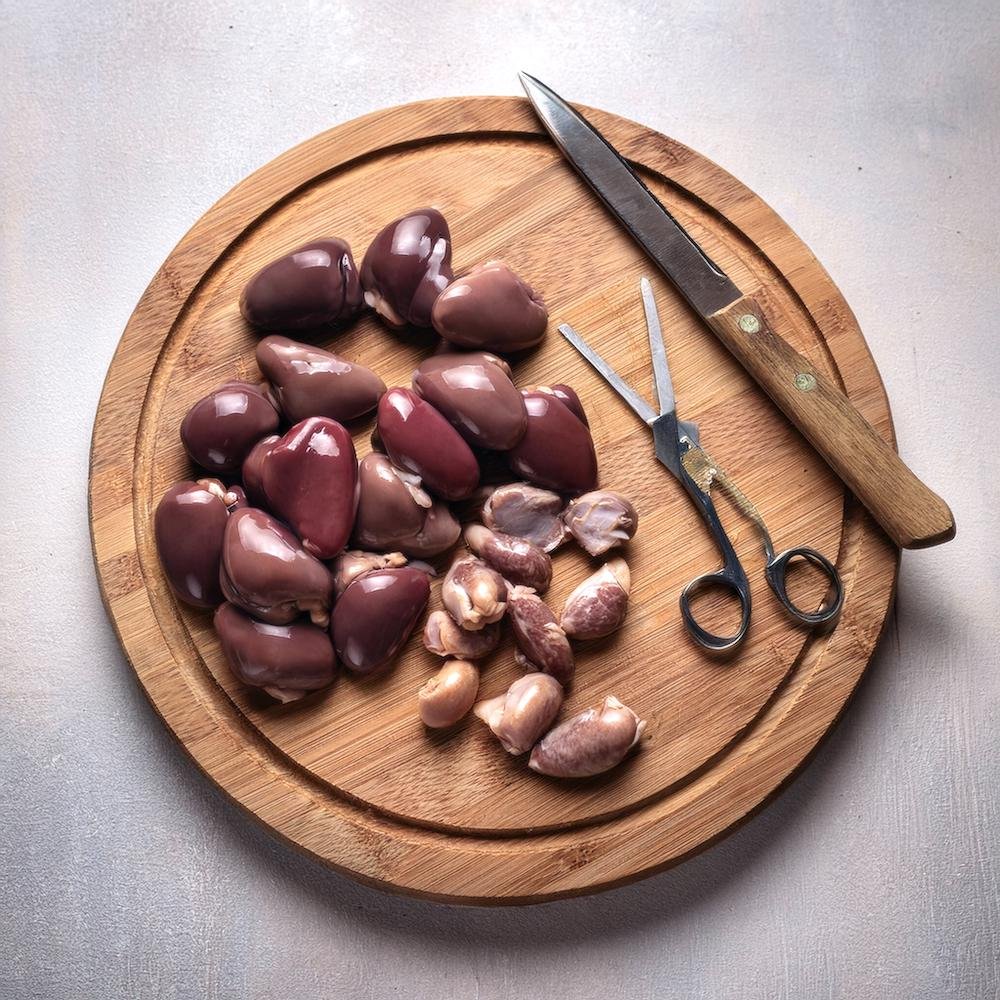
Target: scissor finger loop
{"points": [[719, 580], [776, 572]]}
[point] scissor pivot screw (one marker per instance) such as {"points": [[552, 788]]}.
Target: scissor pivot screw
{"points": [[749, 323], [805, 381]]}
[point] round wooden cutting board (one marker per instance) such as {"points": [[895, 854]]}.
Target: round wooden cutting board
{"points": [[351, 776]]}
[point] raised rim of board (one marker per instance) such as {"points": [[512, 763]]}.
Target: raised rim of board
{"points": [[308, 814]]}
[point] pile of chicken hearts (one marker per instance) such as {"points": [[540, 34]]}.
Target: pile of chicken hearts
{"points": [[313, 558]]}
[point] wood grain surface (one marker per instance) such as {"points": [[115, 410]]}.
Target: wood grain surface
{"points": [[351, 776]]}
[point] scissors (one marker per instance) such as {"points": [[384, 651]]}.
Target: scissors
{"points": [[677, 445]]}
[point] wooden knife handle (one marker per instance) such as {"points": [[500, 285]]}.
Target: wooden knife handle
{"points": [[911, 514]]}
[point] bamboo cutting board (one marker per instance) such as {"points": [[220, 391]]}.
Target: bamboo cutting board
{"points": [[352, 777]]}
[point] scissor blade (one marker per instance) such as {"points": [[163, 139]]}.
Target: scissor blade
{"points": [[661, 370], [698, 279], [645, 412]]}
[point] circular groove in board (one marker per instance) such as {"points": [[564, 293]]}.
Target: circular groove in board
{"points": [[506, 193]]}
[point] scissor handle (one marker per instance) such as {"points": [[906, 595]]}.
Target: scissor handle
{"points": [[723, 579], [776, 571]]}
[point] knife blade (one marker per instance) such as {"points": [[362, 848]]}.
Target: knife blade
{"points": [[909, 511], [668, 244]]}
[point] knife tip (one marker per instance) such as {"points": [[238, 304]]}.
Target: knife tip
{"points": [[531, 83]]}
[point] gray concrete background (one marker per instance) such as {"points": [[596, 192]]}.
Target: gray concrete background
{"points": [[873, 129]]}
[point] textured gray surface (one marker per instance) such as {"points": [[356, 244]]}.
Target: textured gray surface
{"points": [[872, 128]]}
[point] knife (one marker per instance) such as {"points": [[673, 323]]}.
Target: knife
{"points": [[911, 513]]}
